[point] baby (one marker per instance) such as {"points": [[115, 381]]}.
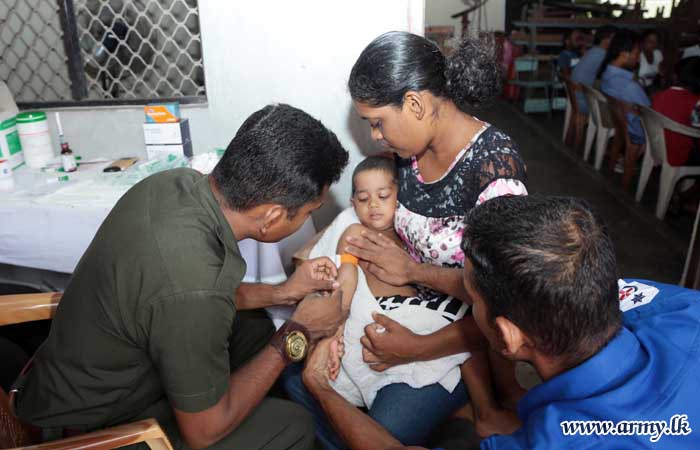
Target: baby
{"points": [[374, 200], [374, 203]]}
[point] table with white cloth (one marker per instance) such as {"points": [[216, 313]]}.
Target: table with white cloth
{"points": [[50, 227]]}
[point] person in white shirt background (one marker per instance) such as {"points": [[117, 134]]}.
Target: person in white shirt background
{"points": [[649, 60], [693, 50]]}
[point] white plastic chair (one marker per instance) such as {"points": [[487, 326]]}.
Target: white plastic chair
{"points": [[600, 125], [654, 125], [567, 118]]}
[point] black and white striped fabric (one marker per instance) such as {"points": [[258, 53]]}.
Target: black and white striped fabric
{"points": [[449, 307]]}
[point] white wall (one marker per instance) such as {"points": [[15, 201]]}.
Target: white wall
{"points": [[258, 52], [438, 12]]}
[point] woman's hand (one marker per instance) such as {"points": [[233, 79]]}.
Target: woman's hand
{"points": [[383, 258], [387, 343]]}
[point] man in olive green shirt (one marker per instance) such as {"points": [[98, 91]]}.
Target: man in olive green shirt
{"points": [[152, 325]]}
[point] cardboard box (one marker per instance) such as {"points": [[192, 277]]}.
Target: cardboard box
{"points": [[157, 151], [162, 112], [167, 133]]}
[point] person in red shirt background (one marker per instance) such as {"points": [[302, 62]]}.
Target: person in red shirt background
{"points": [[677, 103]]}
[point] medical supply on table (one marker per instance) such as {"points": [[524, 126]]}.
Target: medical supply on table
{"points": [[205, 162], [162, 112], [7, 182], [67, 157], [176, 135], [120, 164], [35, 138], [10, 147], [159, 151]]}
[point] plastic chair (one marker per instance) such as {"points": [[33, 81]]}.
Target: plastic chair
{"points": [[600, 125], [622, 141], [577, 119], [14, 434], [530, 65], [654, 125]]}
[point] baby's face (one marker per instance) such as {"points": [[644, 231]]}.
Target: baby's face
{"points": [[375, 199]]}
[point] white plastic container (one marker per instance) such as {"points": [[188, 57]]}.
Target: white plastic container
{"points": [[7, 183], [10, 147], [35, 138]]}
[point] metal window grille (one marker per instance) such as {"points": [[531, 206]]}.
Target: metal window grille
{"points": [[101, 51]]}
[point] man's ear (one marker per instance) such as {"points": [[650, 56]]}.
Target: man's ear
{"points": [[513, 338], [271, 216], [415, 104]]}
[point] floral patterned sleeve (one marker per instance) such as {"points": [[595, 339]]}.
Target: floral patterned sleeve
{"points": [[501, 186], [695, 115]]}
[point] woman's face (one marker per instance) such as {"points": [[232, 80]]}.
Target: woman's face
{"points": [[375, 199], [395, 128], [651, 43]]}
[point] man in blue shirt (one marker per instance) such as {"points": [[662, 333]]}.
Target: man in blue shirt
{"points": [[619, 359], [618, 79], [586, 71], [573, 46]]}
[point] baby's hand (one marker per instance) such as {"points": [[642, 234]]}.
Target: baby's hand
{"points": [[337, 351]]}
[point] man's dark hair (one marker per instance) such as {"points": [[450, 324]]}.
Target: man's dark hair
{"points": [[566, 37], [688, 71], [279, 155], [376, 162], [622, 41], [604, 32], [547, 264]]}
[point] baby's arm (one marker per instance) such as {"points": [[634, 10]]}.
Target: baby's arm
{"points": [[347, 272], [347, 278]]}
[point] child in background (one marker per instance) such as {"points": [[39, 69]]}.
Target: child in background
{"points": [[374, 200]]}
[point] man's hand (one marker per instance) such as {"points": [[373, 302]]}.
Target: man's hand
{"points": [[321, 315], [312, 275], [387, 343], [383, 258], [316, 371]]}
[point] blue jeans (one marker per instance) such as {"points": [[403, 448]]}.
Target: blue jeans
{"points": [[409, 414]]}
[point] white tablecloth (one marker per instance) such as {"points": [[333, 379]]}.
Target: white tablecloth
{"points": [[51, 230]]}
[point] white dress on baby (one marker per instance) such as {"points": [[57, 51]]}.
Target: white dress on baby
{"points": [[357, 382]]}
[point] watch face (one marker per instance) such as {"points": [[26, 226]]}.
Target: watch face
{"points": [[296, 346]]}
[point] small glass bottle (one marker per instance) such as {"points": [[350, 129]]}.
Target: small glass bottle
{"points": [[68, 158]]}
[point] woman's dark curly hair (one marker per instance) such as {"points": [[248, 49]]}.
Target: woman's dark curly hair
{"points": [[398, 62]]}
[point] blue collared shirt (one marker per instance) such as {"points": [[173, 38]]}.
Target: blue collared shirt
{"points": [[568, 58], [620, 83], [586, 71], [649, 372]]}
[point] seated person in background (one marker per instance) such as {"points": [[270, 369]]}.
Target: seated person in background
{"points": [[650, 59], [156, 321], [693, 50], [574, 44], [542, 273], [587, 69], [374, 200], [618, 79], [678, 103]]}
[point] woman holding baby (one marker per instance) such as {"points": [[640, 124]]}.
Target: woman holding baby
{"points": [[417, 104]]}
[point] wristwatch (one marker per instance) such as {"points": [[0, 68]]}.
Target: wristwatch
{"points": [[291, 341]]}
